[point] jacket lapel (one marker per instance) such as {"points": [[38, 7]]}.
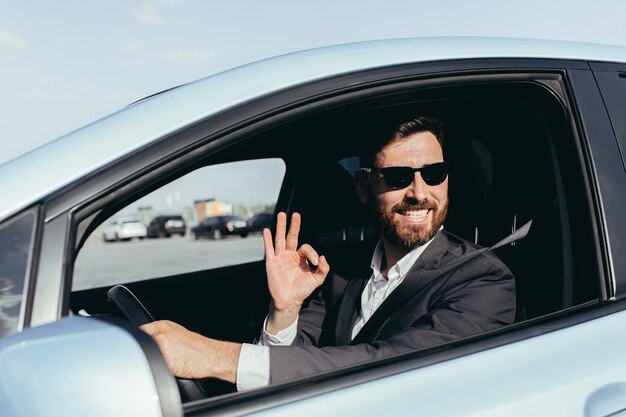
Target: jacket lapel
{"points": [[349, 306], [422, 273]]}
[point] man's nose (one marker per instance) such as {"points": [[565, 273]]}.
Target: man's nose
{"points": [[418, 188]]}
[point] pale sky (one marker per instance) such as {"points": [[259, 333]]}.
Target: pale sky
{"points": [[65, 63]]}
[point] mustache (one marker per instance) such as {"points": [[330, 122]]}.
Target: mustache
{"points": [[421, 205]]}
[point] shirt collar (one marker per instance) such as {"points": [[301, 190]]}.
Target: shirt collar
{"points": [[402, 266]]}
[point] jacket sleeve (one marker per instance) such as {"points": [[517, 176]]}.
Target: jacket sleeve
{"points": [[483, 302], [319, 313], [310, 321]]}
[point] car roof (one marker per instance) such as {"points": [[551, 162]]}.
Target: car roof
{"points": [[44, 170]]}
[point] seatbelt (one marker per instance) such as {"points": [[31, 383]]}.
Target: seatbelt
{"points": [[403, 293]]}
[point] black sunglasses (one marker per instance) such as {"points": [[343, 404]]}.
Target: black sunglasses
{"points": [[402, 177]]}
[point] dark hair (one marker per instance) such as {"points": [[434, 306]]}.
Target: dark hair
{"points": [[402, 131]]}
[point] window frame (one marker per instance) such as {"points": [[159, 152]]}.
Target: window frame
{"points": [[604, 161]]}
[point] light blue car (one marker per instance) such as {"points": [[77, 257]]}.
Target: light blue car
{"points": [[534, 131]]}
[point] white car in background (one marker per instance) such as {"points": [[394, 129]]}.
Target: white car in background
{"points": [[535, 130], [124, 229]]}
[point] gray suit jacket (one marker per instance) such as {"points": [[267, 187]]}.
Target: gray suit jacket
{"points": [[445, 305]]}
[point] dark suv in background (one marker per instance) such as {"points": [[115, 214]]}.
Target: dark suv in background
{"points": [[166, 226], [260, 221], [218, 226]]}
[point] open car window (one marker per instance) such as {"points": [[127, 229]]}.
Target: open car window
{"points": [[184, 226]]}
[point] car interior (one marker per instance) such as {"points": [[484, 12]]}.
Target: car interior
{"points": [[510, 146]]}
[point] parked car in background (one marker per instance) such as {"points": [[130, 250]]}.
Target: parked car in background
{"points": [[124, 229], [535, 130], [216, 227], [166, 226], [260, 221]]}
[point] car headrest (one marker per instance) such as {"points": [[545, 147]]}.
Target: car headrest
{"points": [[470, 186], [482, 164], [326, 199]]}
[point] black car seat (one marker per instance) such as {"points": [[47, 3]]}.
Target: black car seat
{"points": [[509, 193], [334, 221]]}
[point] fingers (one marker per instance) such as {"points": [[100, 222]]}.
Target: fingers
{"points": [[159, 327], [284, 240], [149, 328], [323, 269], [281, 230], [294, 229], [267, 242], [307, 251]]}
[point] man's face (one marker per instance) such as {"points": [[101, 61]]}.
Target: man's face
{"points": [[410, 216]]}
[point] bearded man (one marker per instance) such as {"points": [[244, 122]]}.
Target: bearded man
{"points": [[413, 294]]}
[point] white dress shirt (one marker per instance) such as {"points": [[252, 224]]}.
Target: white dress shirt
{"points": [[253, 370]]}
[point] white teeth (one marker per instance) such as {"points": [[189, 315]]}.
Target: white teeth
{"points": [[416, 213]]}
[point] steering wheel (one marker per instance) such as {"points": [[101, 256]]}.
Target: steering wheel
{"points": [[136, 313]]}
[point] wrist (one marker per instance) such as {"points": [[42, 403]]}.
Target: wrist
{"points": [[287, 309], [224, 360], [281, 318]]}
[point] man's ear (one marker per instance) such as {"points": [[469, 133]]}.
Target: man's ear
{"points": [[362, 188]]}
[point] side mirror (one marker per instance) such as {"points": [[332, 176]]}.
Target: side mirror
{"points": [[82, 366]]}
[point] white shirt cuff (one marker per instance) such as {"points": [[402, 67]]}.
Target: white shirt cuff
{"points": [[253, 370], [285, 337]]}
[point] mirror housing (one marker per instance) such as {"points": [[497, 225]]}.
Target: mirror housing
{"points": [[82, 366]]}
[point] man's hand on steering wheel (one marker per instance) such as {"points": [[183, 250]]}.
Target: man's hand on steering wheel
{"points": [[192, 356]]}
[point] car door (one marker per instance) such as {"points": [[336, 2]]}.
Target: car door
{"points": [[572, 366], [509, 104], [566, 362]]}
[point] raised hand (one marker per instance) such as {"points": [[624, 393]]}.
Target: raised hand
{"points": [[292, 273]]}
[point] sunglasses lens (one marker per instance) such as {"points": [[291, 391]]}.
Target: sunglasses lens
{"points": [[402, 177], [434, 174], [398, 177]]}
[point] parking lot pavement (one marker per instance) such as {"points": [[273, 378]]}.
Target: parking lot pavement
{"points": [[106, 264]]}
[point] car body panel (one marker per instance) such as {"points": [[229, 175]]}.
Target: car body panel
{"points": [[38, 173], [585, 376], [124, 229]]}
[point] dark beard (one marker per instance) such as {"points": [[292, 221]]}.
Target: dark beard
{"points": [[410, 236]]}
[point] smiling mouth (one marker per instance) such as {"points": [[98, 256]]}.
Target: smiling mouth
{"points": [[415, 215]]}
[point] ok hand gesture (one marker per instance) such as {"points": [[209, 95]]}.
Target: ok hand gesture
{"points": [[292, 273]]}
